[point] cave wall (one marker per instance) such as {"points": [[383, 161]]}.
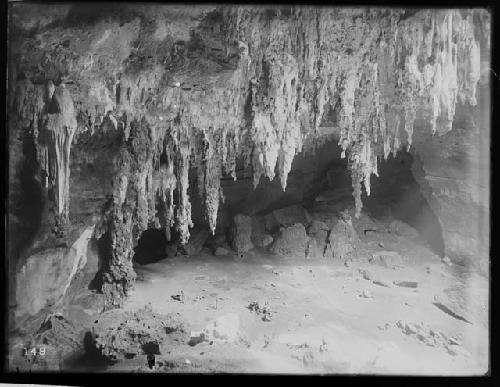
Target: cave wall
{"points": [[122, 102], [454, 170]]}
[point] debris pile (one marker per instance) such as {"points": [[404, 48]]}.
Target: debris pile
{"points": [[433, 338], [119, 335], [264, 312]]}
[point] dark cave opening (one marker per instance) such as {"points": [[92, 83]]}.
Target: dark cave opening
{"points": [[316, 179], [396, 193], [151, 247]]}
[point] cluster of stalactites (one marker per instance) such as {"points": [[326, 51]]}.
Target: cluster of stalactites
{"points": [[376, 81], [379, 67], [375, 68], [210, 152], [434, 59]]}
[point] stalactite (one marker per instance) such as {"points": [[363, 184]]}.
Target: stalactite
{"points": [[183, 213], [60, 128]]}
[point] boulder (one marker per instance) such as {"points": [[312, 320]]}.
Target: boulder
{"points": [[46, 276], [263, 240], [260, 237], [343, 240], [119, 334], [241, 234], [389, 259], [291, 242]]}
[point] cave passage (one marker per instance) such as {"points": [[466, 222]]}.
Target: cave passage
{"points": [[151, 246], [317, 182], [396, 190]]}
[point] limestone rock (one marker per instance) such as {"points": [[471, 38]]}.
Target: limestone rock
{"points": [[241, 233], [318, 232], [291, 241], [391, 259], [260, 237], [118, 334], [344, 240], [46, 276]]}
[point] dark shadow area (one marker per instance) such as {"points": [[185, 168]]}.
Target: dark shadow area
{"points": [[104, 257], [396, 189], [28, 205], [151, 247], [91, 360], [82, 14]]}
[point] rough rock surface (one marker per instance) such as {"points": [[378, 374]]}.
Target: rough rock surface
{"points": [[453, 174], [119, 334], [391, 259], [291, 242], [318, 232], [432, 338], [260, 236], [343, 240], [46, 276], [241, 233]]}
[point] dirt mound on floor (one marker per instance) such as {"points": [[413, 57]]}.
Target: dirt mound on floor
{"points": [[120, 335]]}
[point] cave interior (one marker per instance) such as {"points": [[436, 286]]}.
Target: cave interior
{"points": [[213, 188]]}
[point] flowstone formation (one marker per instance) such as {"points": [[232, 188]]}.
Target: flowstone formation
{"points": [[196, 88]]}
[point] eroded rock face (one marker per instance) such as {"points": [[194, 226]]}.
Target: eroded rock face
{"points": [[139, 95], [46, 276], [343, 240], [118, 335], [260, 236], [454, 170]]}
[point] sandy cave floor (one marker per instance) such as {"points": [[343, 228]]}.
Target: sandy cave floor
{"points": [[320, 322]]}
